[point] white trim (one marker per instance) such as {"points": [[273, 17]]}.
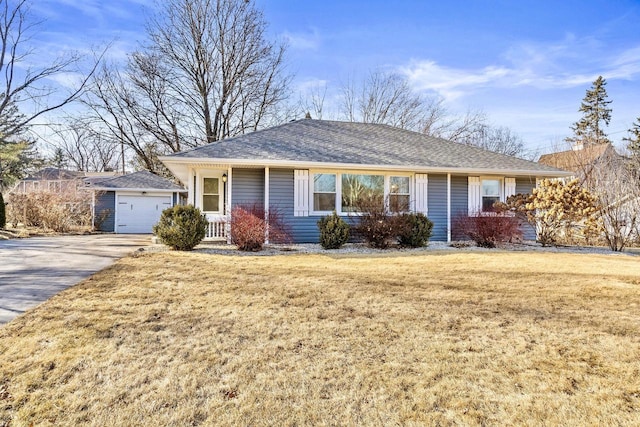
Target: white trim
{"points": [[266, 204], [448, 207], [301, 197], [421, 193], [509, 187], [473, 191]]}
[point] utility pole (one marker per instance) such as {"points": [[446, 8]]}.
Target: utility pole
{"points": [[122, 149]]}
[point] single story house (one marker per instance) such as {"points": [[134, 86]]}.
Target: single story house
{"points": [[583, 159], [132, 203], [56, 180], [308, 168]]}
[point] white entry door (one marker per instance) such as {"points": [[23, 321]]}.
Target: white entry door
{"points": [[137, 214]]}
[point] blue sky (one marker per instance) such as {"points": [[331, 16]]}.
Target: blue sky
{"points": [[527, 64]]}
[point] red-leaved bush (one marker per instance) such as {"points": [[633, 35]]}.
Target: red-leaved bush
{"points": [[487, 229], [249, 228]]}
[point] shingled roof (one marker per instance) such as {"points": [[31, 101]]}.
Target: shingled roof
{"points": [[576, 160], [138, 180], [334, 142]]}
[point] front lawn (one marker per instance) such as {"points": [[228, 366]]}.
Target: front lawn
{"points": [[463, 338]]}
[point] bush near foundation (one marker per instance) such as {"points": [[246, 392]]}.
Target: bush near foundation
{"points": [[181, 227], [334, 231], [487, 229], [249, 229], [414, 229]]}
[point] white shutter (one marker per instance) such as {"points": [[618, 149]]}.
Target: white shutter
{"points": [[301, 193], [474, 195], [509, 187], [421, 200]]}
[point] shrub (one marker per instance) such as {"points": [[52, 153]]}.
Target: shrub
{"points": [[414, 229], [376, 226], [558, 210], [249, 229], [58, 211], [487, 230], [3, 215], [334, 231], [181, 227]]}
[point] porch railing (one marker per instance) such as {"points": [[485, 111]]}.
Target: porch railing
{"points": [[217, 229]]}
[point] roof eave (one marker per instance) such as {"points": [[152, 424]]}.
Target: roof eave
{"points": [[148, 190], [174, 163]]}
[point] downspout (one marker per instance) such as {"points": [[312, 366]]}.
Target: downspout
{"points": [[449, 208], [266, 204]]}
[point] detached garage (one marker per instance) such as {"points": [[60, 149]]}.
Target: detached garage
{"points": [[132, 203]]}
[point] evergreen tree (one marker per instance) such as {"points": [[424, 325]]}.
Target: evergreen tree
{"points": [[596, 114], [3, 215], [59, 160], [633, 140]]}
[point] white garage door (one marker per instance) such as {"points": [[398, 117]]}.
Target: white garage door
{"points": [[137, 214]]}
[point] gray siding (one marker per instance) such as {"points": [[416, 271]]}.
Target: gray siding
{"points": [[459, 195], [525, 186], [105, 207], [248, 187], [437, 204], [303, 229]]}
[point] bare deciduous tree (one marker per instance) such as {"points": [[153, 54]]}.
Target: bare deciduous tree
{"points": [[25, 89], [207, 73], [83, 148], [618, 194], [384, 98], [25, 93]]}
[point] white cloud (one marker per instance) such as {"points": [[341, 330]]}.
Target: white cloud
{"points": [[451, 83], [302, 41], [566, 64]]}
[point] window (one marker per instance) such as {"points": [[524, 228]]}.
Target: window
{"points": [[54, 186], [355, 186], [399, 193], [211, 195], [324, 191], [490, 193]]}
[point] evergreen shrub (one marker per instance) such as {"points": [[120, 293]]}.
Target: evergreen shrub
{"points": [[181, 227], [414, 229], [334, 231]]}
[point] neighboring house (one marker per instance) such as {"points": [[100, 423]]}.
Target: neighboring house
{"points": [[49, 179], [56, 180], [132, 203], [308, 168], [582, 159]]}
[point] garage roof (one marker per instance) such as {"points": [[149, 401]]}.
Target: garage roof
{"points": [[143, 180]]}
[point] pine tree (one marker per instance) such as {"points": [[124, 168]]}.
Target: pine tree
{"points": [[3, 215], [59, 160], [633, 140], [596, 115]]}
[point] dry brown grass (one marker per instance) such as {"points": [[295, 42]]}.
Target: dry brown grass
{"points": [[490, 338]]}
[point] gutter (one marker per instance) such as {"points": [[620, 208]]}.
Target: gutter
{"points": [[328, 165]]}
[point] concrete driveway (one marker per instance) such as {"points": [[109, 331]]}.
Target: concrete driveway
{"points": [[33, 270]]}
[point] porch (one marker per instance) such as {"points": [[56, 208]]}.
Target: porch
{"points": [[218, 228]]}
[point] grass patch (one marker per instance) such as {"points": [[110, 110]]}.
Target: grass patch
{"points": [[450, 339]]}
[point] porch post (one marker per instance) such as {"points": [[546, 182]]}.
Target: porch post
{"points": [[227, 213], [266, 203], [449, 207]]}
